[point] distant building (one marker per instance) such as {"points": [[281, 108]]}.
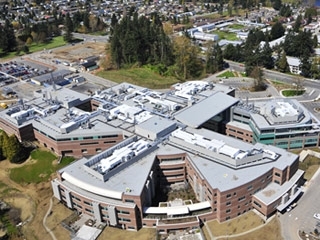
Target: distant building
{"points": [[294, 64]]}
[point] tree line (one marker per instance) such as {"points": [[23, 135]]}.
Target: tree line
{"points": [[142, 41]]}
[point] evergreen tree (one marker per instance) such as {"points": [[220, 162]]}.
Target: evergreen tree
{"points": [[315, 41], [282, 63], [277, 30], [277, 4], [229, 52], [8, 41], [68, 28], [305, 65], [214, 61], [266, 54], [297, 24], [4, 144]]}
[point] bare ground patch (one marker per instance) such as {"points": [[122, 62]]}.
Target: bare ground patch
{"points": [[74, 53]]}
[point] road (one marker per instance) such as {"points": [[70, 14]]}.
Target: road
{"points": [[91, 38], [301, 217]]}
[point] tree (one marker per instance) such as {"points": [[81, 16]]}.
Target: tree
{"points": [[187, 62], [214, 60], [277, 30], [4, 143], [282, 63], [68, 28], [305, 65], [15, 152], [8, 42], [315, 41], [297, 24], [257, 75], [315, 70], [277, 4], [266, 55]]}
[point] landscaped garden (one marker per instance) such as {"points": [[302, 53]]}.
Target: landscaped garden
{"points": [[292, 92]]}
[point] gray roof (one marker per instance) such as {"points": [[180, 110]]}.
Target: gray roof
{"points": [[201, 112], [155, 125], [224, 177]]}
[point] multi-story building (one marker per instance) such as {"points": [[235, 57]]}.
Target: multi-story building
{"points": [[281, 122], [174, 142], [142, 142], [229, 177], [61, 120]]}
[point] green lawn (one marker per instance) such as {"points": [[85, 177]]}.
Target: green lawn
{"points": [[139, 76], [55, 42], [40, 170], [226, 35], [226, 74], [310, 165], [34, 47], [236, 26], [292, 92]]}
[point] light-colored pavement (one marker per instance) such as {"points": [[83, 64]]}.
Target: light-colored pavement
{"points": [[301, 217]]}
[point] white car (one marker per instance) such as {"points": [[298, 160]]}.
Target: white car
{"points": [[317, 216]]}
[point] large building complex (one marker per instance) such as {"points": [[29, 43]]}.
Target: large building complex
{"points": [[137, 142]]}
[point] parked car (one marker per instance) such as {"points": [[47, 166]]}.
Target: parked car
{"points": [[317, 216]]}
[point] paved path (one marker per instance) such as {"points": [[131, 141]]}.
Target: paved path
{"points": [[45, 219]]}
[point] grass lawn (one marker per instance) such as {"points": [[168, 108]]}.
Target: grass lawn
{"points": [[271, 231], [238, 225], [111, 233], [310, 165], [55, 42], [226, 74], [226, 35], [292, 92], [139, 76], [41, 167], [34, 47], [236, 26]]}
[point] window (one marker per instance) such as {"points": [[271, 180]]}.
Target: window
{"points": [[277, 174], [241, 198], [250, 187], [229, 195], [89, 143], [257, 204], [89, 210], [228, 210], [98, 150], [84, 150], [228, 203]]}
